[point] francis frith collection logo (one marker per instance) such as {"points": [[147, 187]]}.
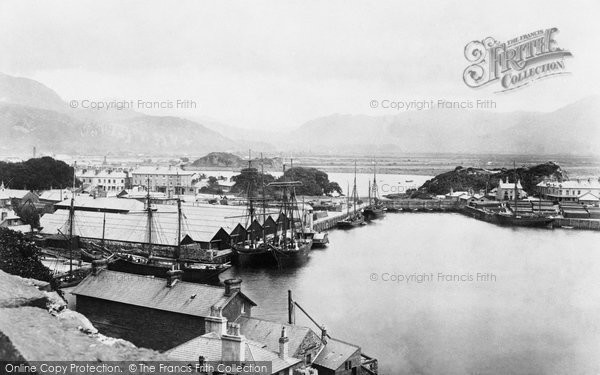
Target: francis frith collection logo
{"points": [[516, 62]]}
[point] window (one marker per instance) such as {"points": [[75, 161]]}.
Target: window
{"points": [[243, 310]]}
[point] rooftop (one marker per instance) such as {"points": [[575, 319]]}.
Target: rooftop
{"points": [[335, 353], [183, 298], [162, 171], [210, 347]]}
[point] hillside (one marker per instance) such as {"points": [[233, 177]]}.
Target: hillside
{"points": [[476, 179], [227, 160], [573, 129], [31, 114]]}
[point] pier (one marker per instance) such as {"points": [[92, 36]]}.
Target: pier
{"points": [[329, 222]]}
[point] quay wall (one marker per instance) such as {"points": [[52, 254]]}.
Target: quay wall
{"points": [[590, 224], [422, 204]]}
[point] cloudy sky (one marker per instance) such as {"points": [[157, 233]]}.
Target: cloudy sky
{"points": [[281, 63]]}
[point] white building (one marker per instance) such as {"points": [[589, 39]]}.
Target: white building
{"points": [[169, 180], [103, 179], [506, 190], [569, 190]]}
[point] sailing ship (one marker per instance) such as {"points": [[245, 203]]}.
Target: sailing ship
{"points": [[354, 218], [291, 247], [256, 250], [193, 270], [522, 220], [375, 209]]}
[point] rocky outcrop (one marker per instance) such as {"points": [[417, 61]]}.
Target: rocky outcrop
{"points": [[476, 179], [36, 325]]}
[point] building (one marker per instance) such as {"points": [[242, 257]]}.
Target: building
{"points": [[106, 180], [155, 313], [8, 219], [169, 180], [22, 196], [569, 191], [225, 342], [506, 190]]}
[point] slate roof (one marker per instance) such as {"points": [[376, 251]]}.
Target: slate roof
{"points": [[335, 353], [268, 332], [211, 348], [183, 298]]}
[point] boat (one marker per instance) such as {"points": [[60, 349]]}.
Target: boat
{"points": [[375, 209], [530, 220], [355, 218], [195, 272], [253, 252], [523, 220], [149, 265], [320, 239], [290, 248]]}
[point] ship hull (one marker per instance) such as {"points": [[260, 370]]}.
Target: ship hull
{"points": [[293, 258], [350, 223], [262, 257], [199, 274], [520, 221], [373, 213]]}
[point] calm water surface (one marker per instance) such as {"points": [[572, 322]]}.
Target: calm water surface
{"points": [[541, 315]]}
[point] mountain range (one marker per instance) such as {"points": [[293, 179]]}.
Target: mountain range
{"points": [[31, 114]]}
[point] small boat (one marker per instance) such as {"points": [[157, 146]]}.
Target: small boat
{"points": [[320, 239], [408, 181], [567, 227], [354, 218]]}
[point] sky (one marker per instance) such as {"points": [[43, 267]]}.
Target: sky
{"points": [[264, 64]]}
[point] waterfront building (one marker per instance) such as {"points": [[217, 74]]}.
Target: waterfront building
{"points": [[169, 180], [155, 313], [225, 342], [106, 180], [506, 190], [570, 191]]}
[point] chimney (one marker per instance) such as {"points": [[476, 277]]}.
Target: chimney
{"points": [[233, 348], [215, 322], [323, 335], [284, 345], [232, 286], [173, 276], [98, 266]]}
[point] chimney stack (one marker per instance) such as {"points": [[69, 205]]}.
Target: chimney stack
{"points": [[232, 286], [216, 322], [284, 345], [98, 266], [323, 335], [232, 342], [173, 276]]}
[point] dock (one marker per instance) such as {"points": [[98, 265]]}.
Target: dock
{"points": [[333, 217]]}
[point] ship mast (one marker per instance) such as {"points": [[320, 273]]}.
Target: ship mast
{"points": [[71, 219], [149, 215], [354, 193], [264, 208], [516, 189], [250, 206], [178, 255]]}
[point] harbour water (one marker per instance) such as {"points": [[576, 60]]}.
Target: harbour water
{"points": [[534, 308]]}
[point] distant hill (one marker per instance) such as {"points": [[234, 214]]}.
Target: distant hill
{"points": [[31, 115], [476, 179], [573, 129], [227, 160]]}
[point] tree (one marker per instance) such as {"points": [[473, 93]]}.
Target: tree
{"points": [[20, 256], [314, 181], [37, 174], [250, 180]]}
